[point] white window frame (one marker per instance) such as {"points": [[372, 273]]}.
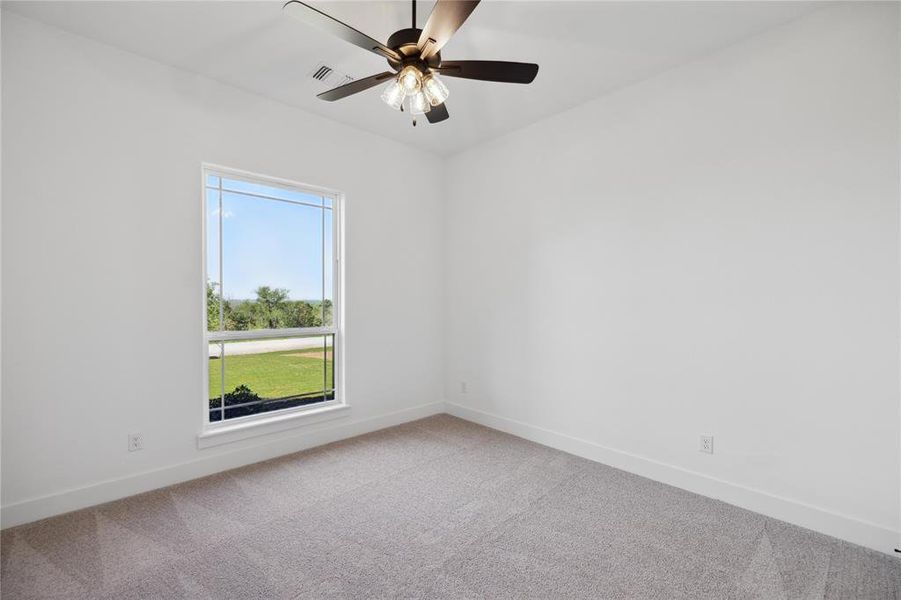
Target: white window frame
{"points": [[217, 432]]}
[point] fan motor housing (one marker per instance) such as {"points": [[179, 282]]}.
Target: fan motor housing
{"points": [[405, 42]]}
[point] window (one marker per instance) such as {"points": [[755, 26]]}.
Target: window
{"points": [[271, 277]]}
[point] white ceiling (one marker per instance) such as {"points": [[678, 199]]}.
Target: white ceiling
{"points": [[584, 49]]}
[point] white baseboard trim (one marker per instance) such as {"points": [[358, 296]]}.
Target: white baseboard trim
{"points": [[847, 528], [114, 489]]}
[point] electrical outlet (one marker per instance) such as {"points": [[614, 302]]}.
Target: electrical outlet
{"points": [[706, 444], [135, 442], [464, 388]]}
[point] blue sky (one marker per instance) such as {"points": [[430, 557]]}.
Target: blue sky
{"points": [[267, 242]]}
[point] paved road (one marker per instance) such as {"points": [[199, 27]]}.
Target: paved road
{"points": [[258, 346]]}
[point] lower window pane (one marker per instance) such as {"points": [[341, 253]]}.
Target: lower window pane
{"points": [[266, 375]]}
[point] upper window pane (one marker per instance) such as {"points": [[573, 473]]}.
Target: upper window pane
{"points": [[269, 258], [271, 262]]}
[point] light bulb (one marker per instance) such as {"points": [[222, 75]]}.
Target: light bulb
{"points": [[394, 95], [434, 88], [419, 104], [411, 79]]}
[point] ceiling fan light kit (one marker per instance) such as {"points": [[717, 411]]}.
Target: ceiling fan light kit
{"points": [[415, 58]]}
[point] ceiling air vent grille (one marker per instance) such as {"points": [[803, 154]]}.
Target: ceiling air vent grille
{"points": [[329, 77], [322, 72]]}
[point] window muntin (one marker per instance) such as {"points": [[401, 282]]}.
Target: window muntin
{"points": [[271, 295]]}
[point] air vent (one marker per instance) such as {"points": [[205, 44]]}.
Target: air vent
{"points": [[329, 77], [322, 72]]}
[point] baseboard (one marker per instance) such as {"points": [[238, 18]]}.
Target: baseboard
{"points": [[847, 528], [106, 491]]}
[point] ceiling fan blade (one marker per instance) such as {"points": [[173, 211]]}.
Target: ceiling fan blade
{"points": [[490, 70], [445, 20], [358, 85], [437, 114], [320, 20]]}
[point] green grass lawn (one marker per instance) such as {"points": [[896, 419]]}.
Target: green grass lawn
{"points": [[273, 374]]}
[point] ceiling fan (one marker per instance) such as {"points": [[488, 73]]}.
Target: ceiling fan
{"points": [[414, 56]]}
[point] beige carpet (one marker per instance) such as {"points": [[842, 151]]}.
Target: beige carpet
{"points": [[439, 508]]}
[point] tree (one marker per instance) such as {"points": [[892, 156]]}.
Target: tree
{"points": [[271, 302], [241, 316], [304, 314]]}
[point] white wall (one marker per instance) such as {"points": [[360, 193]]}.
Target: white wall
{"points": [[712, 251], [102, 266]]}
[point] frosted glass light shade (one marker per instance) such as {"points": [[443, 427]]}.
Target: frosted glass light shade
{"points": [[419, 104], [434, 88], [394, 94], [411, 79]]}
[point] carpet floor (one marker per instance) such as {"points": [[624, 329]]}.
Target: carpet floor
{"points": [[437, 508]]}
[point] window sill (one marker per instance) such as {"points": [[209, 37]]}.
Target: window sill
{"points": [[216, 434]]}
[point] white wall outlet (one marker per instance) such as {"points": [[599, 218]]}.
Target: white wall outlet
{"points": [[135, 442], [706, 444], [464, 387]]}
